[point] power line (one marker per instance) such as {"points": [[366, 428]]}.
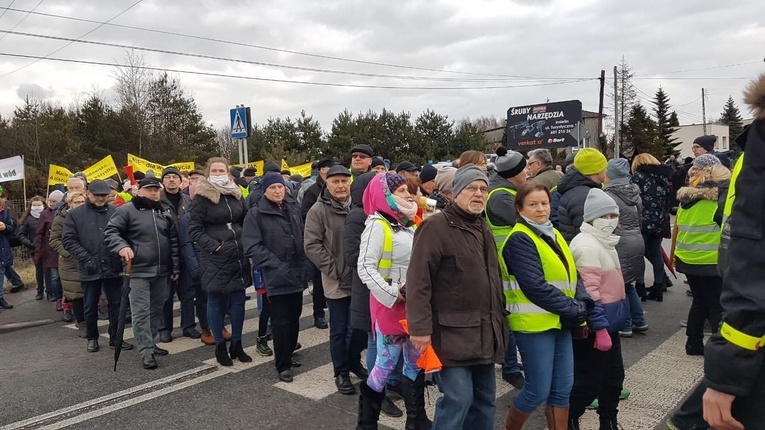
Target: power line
{"points": [[260, 63], [87, 33], [23, 18], [286, 81], [268, 48], [705, 68], [6, 10]]}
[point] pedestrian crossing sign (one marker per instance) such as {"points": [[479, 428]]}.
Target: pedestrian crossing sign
{"points": [[240, 122]]}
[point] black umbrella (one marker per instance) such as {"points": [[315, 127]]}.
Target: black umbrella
{"points": [[124, 304]]}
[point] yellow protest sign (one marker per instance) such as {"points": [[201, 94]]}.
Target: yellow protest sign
{"points": [[285, 166], [58, 175], [104, 169], [258, 165], [142, 165], [183, 166], [303, 170]]}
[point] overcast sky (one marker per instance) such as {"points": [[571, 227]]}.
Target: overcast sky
{"points": [[535, 49]]}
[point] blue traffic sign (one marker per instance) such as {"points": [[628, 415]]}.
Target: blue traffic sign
{"points": [[240, 122]]}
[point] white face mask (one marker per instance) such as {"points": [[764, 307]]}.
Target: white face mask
{"points": [[220, 181], [35, 211], [606, 225]]}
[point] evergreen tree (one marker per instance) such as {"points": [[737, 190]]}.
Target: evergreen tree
{"points": [[731, 117], [639, 133], [665, 144]]}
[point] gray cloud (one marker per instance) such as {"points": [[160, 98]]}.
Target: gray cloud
{"points": [[553, 39], [34, 91]]}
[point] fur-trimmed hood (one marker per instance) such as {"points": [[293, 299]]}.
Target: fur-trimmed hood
{"points": [[754, 97], [206, 190], [689, 195]]}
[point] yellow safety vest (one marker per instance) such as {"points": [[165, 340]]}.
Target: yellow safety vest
{"points": [[525, 316], [386, 261], [732, 189], [698, 238], [126, 197], [500, 232], [245, 191]]}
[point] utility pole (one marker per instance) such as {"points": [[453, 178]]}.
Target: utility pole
{"points": [[704, 111], [616, 114], [600, 108]]}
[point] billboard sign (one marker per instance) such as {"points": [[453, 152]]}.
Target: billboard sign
{"points": [[548, 125]]}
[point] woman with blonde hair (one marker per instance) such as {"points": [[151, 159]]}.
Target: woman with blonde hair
{"points": [[473, 157], [655, 182], [695, 243]]}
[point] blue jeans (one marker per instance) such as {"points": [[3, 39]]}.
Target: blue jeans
{"points": [[185, 292], [54, 283], [91, 290], [636, 317], [345, 343], [394, 379], [548, 365], [13, 277], [653, 254], [510, 365], [468, 398], [218, 304]]}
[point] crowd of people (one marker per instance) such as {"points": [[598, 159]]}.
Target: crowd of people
{"points": [[484, 261]]}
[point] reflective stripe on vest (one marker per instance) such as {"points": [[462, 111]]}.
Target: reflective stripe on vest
{"points": [[126, 197], [731, 197], [525, 316], [386, 261], [500, 232], [698, 237], [740, 338]]}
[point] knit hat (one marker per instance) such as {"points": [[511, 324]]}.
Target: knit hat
{"points": [[618, 168], [378, 161], [394, 181], [271, 166], [597, 204], [250, 171], [706, 142], [271, 178], [590, 161], [445, 179], [56, 196], [509, 163], [236, 172], [706, 160], [465, 175], [170, 170], [428, 173]]}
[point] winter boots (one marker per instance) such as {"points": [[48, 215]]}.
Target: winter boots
{"points": [[370, 402], [557, 418], [262, 346], [236, 351], [515, 418], [655, 293], [414, 400], [221, 355]]}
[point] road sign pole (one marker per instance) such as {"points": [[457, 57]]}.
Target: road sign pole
{"points": [[239, 147], [246, 155]]}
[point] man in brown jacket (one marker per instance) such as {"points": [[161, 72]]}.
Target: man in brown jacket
{"points": [[454, 300], [323, 243]]}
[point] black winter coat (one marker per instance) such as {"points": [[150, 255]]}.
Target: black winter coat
{"points": [[190, 252], [655, 183], [355, 223], [83, 237], [150, 232], [273, 239], [25, 232], [216, 226], [573, 189], [727, 367]]}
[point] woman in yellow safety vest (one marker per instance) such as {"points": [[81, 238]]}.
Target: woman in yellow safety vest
{"points": [[695, 243], [384, 253], [546, 301]]}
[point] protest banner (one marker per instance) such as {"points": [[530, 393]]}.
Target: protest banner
{"points": [[104, 169]]}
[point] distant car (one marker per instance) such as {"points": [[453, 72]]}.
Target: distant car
{"points": [[441, 164]]}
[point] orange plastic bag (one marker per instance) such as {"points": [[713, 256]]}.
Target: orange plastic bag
{"points": [[429, 361]]}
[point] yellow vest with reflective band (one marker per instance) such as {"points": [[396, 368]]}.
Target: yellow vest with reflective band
{"points": [[386, 261], [740, 338], [731, 197], [500, 232], [525, 316], [245, 191], [698, 237]]}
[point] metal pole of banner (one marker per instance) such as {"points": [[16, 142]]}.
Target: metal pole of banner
{"points": [[24, 180], [241, 153]]}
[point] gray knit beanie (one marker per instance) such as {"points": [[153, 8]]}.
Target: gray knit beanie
{"points": [[465, 175], [509, 163], [706, 160], [597, 204], [618, 168]]}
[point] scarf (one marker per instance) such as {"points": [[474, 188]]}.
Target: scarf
{"points": [[546, 228], [230, 188], [379, 198]]}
